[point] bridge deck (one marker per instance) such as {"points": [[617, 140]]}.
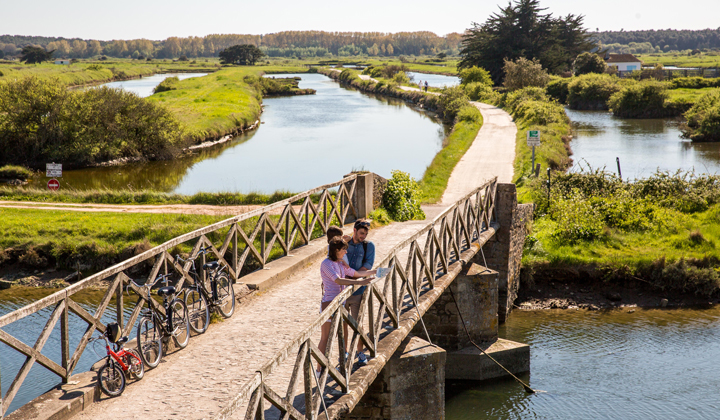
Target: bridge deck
{"points": [[197, 382]]}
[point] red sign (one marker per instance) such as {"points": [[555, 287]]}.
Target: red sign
{"points": [[53, 184]]}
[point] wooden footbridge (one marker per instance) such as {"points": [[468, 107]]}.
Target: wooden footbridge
{"points": [[261, 362]]}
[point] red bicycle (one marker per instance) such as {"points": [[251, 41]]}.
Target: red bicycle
{"points": [[120, 361]]}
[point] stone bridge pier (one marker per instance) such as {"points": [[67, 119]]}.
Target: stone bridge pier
{"points": [[411, 386]]}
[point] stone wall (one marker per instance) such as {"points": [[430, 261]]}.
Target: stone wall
{"points": [[411, 386], [504, 251], [379, 184]]}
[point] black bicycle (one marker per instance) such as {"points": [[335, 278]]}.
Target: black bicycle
{"points": [[200, 299], [155, 326]]}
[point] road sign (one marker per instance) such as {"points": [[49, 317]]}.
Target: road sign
{"points": [[53, 184], [53, 170], [533, 138]]}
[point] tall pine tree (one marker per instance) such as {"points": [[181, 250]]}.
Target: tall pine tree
{"points": [[522, 30]]}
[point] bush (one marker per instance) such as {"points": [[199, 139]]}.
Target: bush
{"points": [[451, 100], [402, 197], [513, 99], [470, 114], [478, 91], [694, 83], [586, 63], [95, 67], [703, 118], [531, 112], [641, 100], [170, 83], [557, 88], [15, 172], [475, 75], [183, 58], [592, 91], [41, 121], [401, 78], [523, 73], [576, 220]]}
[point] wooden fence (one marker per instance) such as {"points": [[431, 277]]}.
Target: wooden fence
{"points": [[432, 254], [288, 223]]}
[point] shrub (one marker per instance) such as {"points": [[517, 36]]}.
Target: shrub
{"points": [[641, 100], [532, 112], [592, 91], [703, 118], [348, 75], [451, 100], [513, 99], [170, 83], [95, 67], [391, 70], [586, 63], [15, 172], [401, 198], [576, 220], [41, 121], [694, 83], [475, 75], [470, 114], [478, 91], [523, 73], [557, 88], [183, 58], [400, 77]]}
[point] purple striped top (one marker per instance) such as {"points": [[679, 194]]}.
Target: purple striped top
{"points": [[329, 271]]}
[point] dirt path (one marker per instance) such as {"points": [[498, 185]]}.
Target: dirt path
{"points": [[136, 208]]}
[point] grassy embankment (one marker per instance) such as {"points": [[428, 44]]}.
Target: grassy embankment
{"points": [[662, 230], [449, 105], [705, 60], [43, 238], [92, 72]]}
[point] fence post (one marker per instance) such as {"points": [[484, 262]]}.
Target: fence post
{"points": [[65, 340], [363, 198]]}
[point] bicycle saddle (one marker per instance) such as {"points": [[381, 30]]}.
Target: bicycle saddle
{"points": [[166, 291], [123, 340], [211, 265]]}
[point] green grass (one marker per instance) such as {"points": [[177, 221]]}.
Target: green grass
{"points": [[706, 60], [436, 176], [91, 72], [219, 103], [448, 67], [684, 95]]}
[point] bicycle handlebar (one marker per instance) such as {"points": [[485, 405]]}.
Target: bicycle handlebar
{"points": [[160, 277], [201, 251]]}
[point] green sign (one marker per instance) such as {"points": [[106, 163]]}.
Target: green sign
{"points": [[533, 138]]}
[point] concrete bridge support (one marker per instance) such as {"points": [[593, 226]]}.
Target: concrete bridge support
{"points": [[411, 386]]}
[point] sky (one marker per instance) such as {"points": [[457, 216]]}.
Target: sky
{"points": [[159, 19]]}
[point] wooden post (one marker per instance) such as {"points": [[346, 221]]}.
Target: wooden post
{"points": [[65, 341], [235, 253], [120, 313]]}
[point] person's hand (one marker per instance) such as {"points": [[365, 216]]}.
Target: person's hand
{"points": [[366, 280]]}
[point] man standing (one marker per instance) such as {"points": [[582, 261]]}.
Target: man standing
{"points": [[361, 256]]}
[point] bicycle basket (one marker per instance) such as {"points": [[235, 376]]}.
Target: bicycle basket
{"points": [[113, 332]]}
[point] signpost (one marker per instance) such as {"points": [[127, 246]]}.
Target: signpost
{"points": [[53, 184], [53, 170], [533, 139]]}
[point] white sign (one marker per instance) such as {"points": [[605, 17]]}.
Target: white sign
{"points": [[533, 138], [53, 170]]}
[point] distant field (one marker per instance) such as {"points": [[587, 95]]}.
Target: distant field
{"points": [[86, 72], [706, 60]]}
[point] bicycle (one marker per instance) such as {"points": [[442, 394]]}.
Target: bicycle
{"points": [[199, 300], [154, 326], [120, 362]]}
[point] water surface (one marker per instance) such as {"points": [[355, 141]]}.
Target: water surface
{"points": [[304, 142], [650, 364], [435, 80], [144, 87], [643, 146]]}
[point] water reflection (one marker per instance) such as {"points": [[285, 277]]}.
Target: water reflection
{"points": [[643, 146], [304, 141], [647, 364]]}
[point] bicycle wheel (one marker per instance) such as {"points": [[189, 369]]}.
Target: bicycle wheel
{"points": [[226, 296], [111, 379], [198, 311], [149, 337], [136, 367], [181, 323]]}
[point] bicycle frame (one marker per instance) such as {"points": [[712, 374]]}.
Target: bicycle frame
{"points": [[211, 296]]}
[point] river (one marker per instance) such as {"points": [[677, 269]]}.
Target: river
{"points": [[304, 142], [643, 146], [144, 87], [649, 364], [435, 80]]}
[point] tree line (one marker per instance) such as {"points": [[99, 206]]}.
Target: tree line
{"points": [[281, 44], [662, 40]]}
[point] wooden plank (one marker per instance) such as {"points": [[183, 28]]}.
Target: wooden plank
{"points": [[65, 342], [257, 396], [295, 376], [326, 363], [283, 405], [133, 316], [82, 313]]}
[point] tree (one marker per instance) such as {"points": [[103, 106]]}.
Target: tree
{"points": [[245, 55], [79, 48], [588, 63], [521, 30], [474, 75], [94, 48], [523, 73], [34, 55]]}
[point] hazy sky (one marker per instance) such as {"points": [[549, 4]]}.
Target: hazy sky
{"points": [[159, 19]]}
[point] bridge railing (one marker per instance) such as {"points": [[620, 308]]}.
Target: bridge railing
{"points": [[416, 263], [288, 223]]}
